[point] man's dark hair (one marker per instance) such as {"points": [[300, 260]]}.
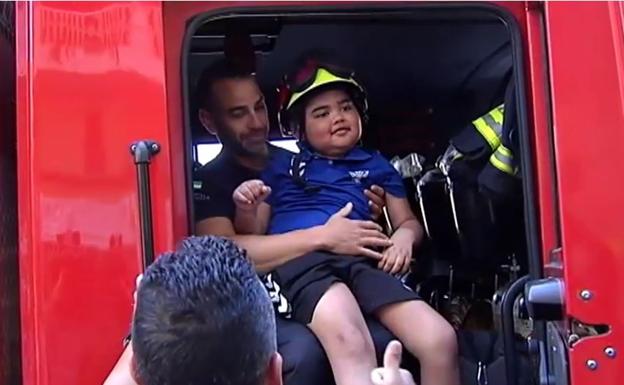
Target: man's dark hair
{"points": [[203, 317], [219, 70]]}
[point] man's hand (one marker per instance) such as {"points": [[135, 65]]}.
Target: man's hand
{"points": [[391, 373], [342, 235], [398, 257], [250, 194], [377, 200]]}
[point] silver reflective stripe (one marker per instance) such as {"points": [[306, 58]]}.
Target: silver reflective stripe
{"points": [[503, 160], [497, 127]]}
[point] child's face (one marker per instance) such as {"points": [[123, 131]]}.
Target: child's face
{"points": [[332, 123]]}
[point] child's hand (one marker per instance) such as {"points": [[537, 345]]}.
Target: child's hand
{"points": [[250, 194], [398, 257]]}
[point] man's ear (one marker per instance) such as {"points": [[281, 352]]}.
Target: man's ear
{"points": [[273, 374], [207, 120]]}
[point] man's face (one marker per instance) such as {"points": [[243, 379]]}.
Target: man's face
{"points": [[238, 116]]}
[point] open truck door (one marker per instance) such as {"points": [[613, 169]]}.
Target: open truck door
{"points": [[94, 77], [585, 320]]}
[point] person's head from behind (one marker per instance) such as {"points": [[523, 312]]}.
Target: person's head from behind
{"points": [[324, 106], [232, 107], [203, 317]]}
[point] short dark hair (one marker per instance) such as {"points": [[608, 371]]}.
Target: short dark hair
{"points": [[203, 317], [219, 70]]}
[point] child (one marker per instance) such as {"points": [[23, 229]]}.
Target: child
{"points": [[324, 106]]}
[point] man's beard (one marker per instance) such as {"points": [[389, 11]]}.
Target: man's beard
{"points": [[234, 147]]}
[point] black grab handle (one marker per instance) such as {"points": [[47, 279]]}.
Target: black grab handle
{"points": [[509, 338], [142, 151]]}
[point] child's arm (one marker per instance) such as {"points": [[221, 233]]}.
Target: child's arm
{"points": [[409, 232], [252, 213]]}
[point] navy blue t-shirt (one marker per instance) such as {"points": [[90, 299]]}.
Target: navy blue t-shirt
{"points": [[326, 186], [214, 183]]}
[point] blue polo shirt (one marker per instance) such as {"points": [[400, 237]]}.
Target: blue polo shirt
{"points": [[329, 185]]}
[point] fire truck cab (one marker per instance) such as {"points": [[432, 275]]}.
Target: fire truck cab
{"points": [[99, 138]]}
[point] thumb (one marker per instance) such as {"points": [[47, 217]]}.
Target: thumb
{"points": [[392, 356], [346, 210]]}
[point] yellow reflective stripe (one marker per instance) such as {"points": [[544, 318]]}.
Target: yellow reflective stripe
{"points": [[504, 150], [497, 115], [500, 165], [502, 159], [488, 133]]}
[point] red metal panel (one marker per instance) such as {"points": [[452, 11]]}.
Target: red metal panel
{"points": [[91, 81], [538, 99], [586, 44]]}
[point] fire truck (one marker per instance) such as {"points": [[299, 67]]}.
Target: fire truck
{"points": [[99, 138]]}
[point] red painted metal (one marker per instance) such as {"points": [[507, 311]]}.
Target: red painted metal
{"points": [[539, 125], [586, 47], [91, 80], [93, 77]]}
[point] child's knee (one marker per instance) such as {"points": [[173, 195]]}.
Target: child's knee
{"points": [[338, 323], [442, 343], [447, 338], [344, 335], [354, 341]]}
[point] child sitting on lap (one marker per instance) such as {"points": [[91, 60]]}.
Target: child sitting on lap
{"points": [[329, 293]]}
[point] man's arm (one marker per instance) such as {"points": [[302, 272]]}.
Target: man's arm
{"points": [[266, 251], [339, 235]]}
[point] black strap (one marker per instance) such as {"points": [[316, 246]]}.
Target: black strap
{"points": [[298, 177]]}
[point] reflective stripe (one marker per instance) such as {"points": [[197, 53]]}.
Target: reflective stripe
{"points": [[498, 114], [505, 151], [487, 131], [490, 126], [503, 160]]}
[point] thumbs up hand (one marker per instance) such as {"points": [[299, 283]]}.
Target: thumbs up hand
{"points": [[391, 373]]}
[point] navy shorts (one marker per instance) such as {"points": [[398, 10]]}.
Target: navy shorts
{"points": [[304, 280]]}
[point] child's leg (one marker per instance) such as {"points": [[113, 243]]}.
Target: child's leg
{"points": [[428, 336], [340, 327]]}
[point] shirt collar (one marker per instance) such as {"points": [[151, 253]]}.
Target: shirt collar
{"points": [[357, 153]]}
